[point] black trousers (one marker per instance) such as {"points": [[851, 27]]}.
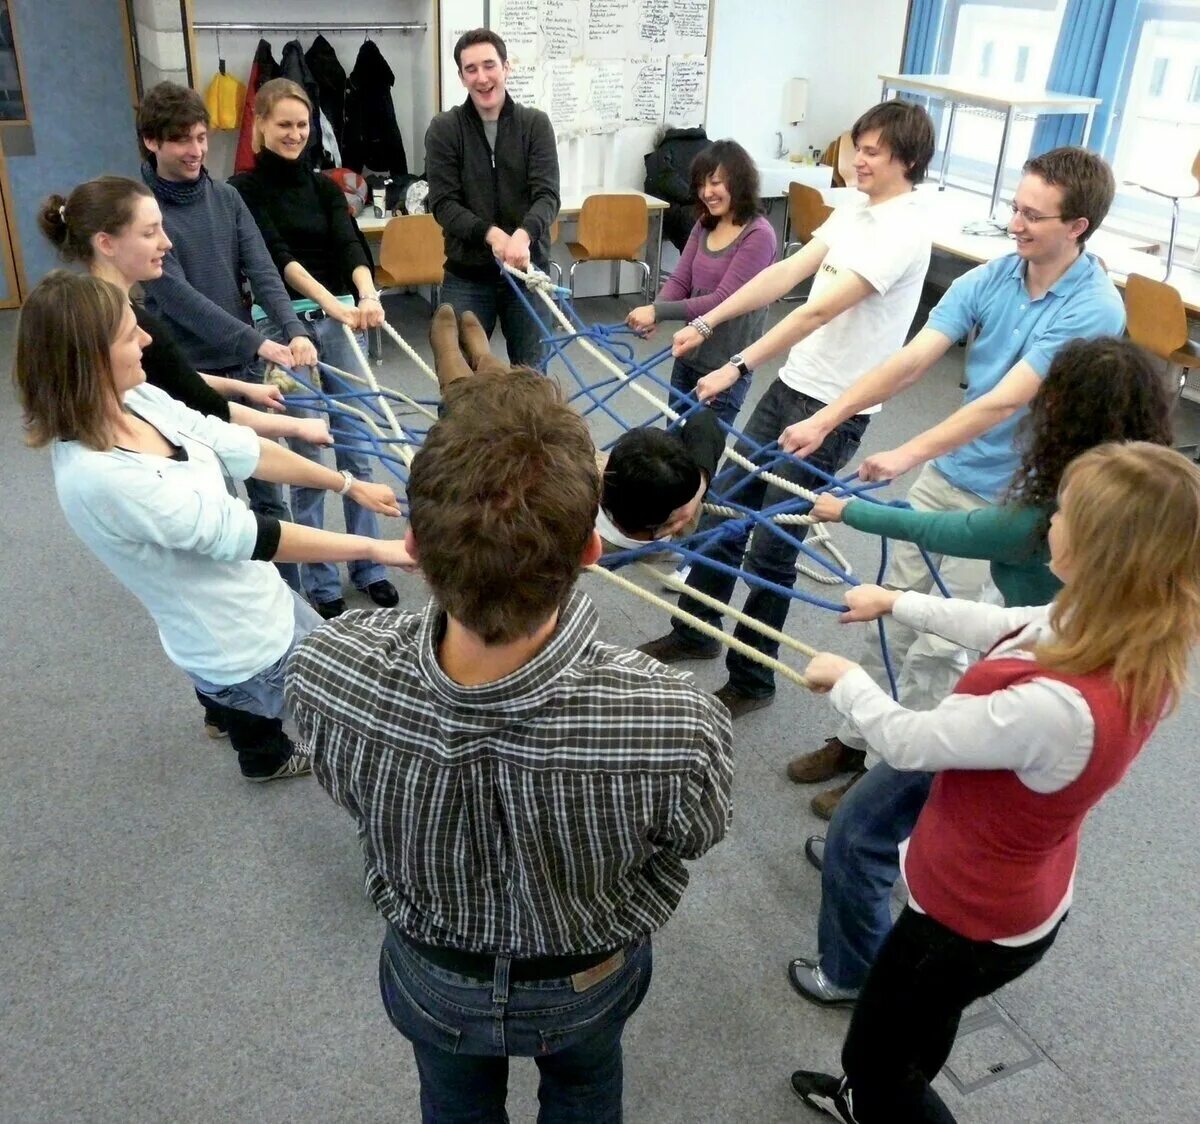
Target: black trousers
{"points": [[908, 1013], [261, 744]]}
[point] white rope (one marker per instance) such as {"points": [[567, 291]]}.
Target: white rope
{"points": [[706, 628], [407, 348]]}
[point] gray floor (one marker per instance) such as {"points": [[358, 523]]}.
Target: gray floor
{"points": [[182, 946]]}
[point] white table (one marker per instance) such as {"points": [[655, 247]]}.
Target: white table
{"points": [[1006, 98], [571, 204]]}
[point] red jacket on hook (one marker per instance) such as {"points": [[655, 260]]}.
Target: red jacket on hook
{"points": [[263, 69]]}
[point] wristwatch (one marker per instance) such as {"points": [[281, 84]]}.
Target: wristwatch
{"points": [[349, 482], [740, 363]]}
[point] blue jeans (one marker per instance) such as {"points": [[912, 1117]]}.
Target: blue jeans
{"points": [[321, 579], [861, 865], [768, 557], [495, 300], [253, 710], [464, 1030], [726, 404], [265, 498]]}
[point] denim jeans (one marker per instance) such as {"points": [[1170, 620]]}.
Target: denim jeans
{"points": [[904, 1023], [321, 579], [726, 404], [265, 498], [768, 557], [495, 300], [253, 710], [860, 867], [464, 1030]]}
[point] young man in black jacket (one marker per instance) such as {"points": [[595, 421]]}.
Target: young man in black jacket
{"points": [[492, 168]]}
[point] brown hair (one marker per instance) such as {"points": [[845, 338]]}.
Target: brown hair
{"points": [[907, 131], [168, 113], [269, 95], [62, 369], [502, 502], [100, 206], [474, 38], [1132, 603], [741, 180], [1086, 182]]}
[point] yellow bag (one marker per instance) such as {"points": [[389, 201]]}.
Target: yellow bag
{"points": [[224, 99]]}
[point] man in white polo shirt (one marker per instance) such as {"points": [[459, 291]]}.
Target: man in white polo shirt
{"points": [[870, 259]]}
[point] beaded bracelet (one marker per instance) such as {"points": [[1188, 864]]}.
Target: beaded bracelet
{"points": [[702, 326]]}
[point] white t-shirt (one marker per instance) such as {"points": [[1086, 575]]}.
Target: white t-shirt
{"points": [[888, 246]]}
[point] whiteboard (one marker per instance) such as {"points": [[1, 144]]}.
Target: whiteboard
{"points": [[455, 17]]}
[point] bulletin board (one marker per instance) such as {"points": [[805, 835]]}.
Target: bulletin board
{"points": [[594, 67]]}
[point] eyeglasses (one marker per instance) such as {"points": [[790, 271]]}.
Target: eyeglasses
{"points": [[1031, 217]]}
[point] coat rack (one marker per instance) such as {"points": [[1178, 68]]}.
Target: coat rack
{"points": [[302, 28]]}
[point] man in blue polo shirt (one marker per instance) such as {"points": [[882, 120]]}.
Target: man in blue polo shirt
{"points": [[1024, 307]]}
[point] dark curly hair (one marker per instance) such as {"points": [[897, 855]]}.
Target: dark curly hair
{"points": [[1095, 391], [741, 179]]}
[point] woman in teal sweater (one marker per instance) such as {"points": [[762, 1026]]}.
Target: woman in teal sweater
{"points": [[1095, 391]]}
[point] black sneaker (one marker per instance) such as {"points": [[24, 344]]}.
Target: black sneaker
{"points": [[298, 765], [671, 649], [383, 593], [215, 725], [827, 1094], [738, 703], [331, 609]]}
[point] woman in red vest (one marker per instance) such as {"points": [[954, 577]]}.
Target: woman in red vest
{"points": [[1034, 735]]}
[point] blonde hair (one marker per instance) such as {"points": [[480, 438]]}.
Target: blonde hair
{"points": [[269, 95], [1132, 602], [63, 364]]}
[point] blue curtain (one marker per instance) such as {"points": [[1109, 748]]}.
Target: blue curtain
{"points": [[920, 44], [1088, 60]]}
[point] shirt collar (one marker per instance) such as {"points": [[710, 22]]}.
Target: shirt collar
{"points": [[896, 203], [1079, 269], [611, 533], [526, 688]]}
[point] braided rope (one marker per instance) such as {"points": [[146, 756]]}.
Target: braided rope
{"points": [[707, 629]]}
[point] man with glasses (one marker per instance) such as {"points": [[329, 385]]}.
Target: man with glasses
{"points": [[1023, 307]]}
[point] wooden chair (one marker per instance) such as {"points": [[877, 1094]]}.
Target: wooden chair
{"points": [[805, 212], [611, 228], [1183, 187], [412, 252], [1157, 322], [555, 268]]}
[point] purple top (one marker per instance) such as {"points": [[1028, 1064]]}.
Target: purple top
{"points": [[704, 278]]}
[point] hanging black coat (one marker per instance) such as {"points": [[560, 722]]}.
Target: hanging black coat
{"points": [[669, 176], [293, 66], [372, 137], [330, 77]]}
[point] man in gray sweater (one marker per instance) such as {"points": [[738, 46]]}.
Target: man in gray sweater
{"points": [[216, 245], [492, 168]]}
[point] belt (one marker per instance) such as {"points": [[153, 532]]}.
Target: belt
{"points": [[583, 970]]}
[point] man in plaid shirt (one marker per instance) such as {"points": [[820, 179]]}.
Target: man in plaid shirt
{"points": [[525, 795]]}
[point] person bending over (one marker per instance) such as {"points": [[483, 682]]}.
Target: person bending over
{"points": [[317, 247], [1031, 739], [653, 481], [859, 860], [731, 243], [496, 734], [1021, 308], [870, 259], [141, 480]]}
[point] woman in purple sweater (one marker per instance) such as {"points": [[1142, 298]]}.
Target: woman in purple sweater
{"points": [[730, 243]]}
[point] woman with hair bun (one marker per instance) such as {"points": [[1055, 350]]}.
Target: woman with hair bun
{"points": [[731, 242], [113, 226]]}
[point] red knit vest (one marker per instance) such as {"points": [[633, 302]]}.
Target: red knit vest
{"points": [[989, 857]]}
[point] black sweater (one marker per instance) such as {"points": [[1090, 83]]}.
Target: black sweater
{"points": [[303, 218], [469, 191], [167, 368]]}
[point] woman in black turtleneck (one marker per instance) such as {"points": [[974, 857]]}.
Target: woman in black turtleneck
{"points": [[316, 246]]}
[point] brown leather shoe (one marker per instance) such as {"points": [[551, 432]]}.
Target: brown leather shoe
{"points": [[448, 361], [824, 804], [823, 764], [671, 649], [473, 340]]}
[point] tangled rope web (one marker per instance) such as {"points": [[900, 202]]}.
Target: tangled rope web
{"points": [[394, 438]]}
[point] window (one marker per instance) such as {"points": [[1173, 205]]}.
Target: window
{"points": [[1158, 77], [985, 60], [1194, 92], [12, 99], [1022, 67]]}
